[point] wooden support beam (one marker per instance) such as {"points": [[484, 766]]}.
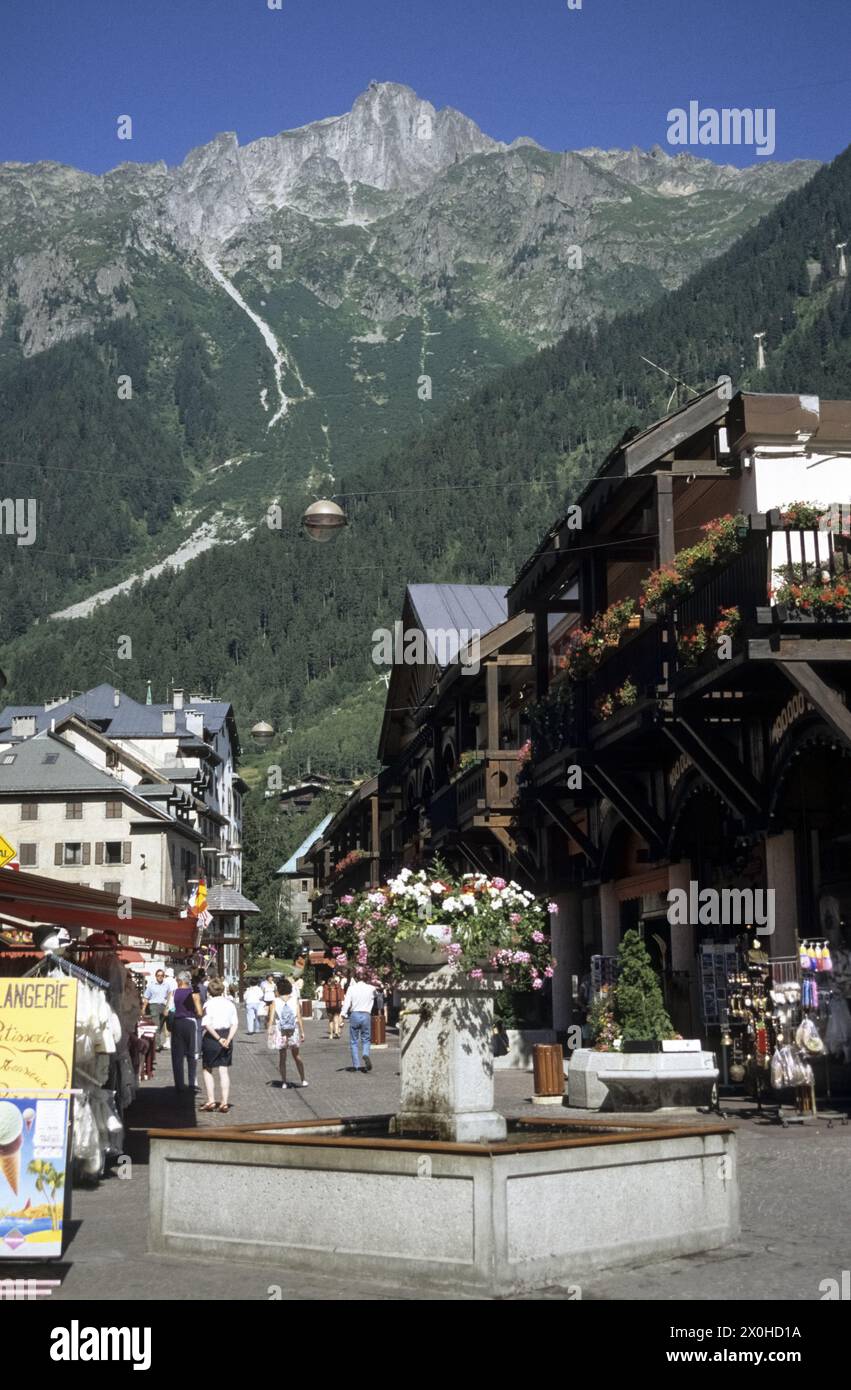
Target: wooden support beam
{"points": [[492, 687], [665, 517], [632, 804], [719, 766], [572, 831], [513, 659], [825, 699], [799, 649], [542, 653], [374, 876]]}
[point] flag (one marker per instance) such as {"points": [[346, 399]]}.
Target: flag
{"points": [[198, 900]]}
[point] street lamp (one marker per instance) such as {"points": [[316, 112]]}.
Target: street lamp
{"points": [[262, 733], [323, 520]]}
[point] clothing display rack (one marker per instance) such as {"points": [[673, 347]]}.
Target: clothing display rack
{"points": [[52, 961]]}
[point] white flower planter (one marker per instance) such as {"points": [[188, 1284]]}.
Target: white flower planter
{"points": [[640, 1080]]}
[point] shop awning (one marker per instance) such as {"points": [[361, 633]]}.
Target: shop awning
{"points": [[32, 898]]}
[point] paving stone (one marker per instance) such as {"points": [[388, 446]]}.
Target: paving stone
{"points": [[793, 1182]]}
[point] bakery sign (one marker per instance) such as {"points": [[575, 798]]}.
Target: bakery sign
{"points": [[37, 1029], [791, 712]]}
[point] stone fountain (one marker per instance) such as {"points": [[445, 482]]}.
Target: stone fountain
{"points": [[445, 1194]]}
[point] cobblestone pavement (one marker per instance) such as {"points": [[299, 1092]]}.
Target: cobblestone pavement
{"points": [[796, 1198]]}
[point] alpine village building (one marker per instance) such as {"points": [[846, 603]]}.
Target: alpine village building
{"points": [[140, 801], [702, 743]]}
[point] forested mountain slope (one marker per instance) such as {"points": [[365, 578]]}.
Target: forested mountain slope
{"points": [[285, 626]]}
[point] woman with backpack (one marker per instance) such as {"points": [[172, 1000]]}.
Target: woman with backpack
{"points": [[286, 1031], [332, 998]]}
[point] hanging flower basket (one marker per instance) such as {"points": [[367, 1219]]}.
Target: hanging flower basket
{"points": [[476, 923]]}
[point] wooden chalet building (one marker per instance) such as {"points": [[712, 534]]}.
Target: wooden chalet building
{"points": [[707, 743]]}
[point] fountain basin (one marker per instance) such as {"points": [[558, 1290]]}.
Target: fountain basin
{"points": [[550, 1202]]}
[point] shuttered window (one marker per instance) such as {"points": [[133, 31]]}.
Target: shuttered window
{"points": [[73, 810], [27, 856], [29, 810]]}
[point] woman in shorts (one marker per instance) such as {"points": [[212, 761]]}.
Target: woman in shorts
{"points": [[286, 1030]]}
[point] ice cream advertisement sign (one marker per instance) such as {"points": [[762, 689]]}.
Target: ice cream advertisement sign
{"points": [[33, 1156], [37, 1029], [37, 1025]]}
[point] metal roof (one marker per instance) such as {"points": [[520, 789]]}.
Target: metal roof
{"points": [[46, 763], [456, 607], [222, 900], [290, 866]]}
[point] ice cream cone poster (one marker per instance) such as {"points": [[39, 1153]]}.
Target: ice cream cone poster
{"points": [[33, 1160], [37, 1026]]}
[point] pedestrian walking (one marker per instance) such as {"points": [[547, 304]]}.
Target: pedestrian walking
{"points": [[357, 1008], [220, 1023], [155, 1004], [252, 999], [184, 1031], [286, 1030], [332, 998]]}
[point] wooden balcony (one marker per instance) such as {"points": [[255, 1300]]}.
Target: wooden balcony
{"points": [[489, 786]]}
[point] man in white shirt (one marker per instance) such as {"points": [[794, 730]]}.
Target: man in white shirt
{"points": [[357, 1008], [252, 999], [155, 1003]]}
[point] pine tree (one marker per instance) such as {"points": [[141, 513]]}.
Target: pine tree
{"points": [[639, 1007]]}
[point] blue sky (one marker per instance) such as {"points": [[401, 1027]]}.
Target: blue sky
{"points": [[605, 74]]}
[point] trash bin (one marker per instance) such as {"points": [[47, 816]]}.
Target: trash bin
{"points": [[378, 1031], [307, 1008], [548, 1066]]}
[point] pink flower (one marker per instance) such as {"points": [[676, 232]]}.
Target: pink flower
{"points": [[393, 920], [538, 936], [537, 984], [552, 908], [453, 948], [336, 950], [514, 918], [548, 971], [476, 974], [499, 882], [347, 898]]}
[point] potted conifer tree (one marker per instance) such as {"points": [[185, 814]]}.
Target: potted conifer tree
{"points": [[640, 1012], [629, 1069]]}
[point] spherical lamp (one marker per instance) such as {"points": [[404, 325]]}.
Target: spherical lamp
{"points": [[262, 732], [323, 520]]}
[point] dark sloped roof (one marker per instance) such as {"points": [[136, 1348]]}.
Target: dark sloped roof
{"points": [[128, 719], [47, 764]]}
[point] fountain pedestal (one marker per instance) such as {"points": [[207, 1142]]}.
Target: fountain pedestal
{"points": [[446, 1065]]}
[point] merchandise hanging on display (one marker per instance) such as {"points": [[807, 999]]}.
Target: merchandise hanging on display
{"points": [[104, 1074]]}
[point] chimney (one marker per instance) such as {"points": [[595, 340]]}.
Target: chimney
{"points": [[116, 698], [169, 722], [178, 697]]}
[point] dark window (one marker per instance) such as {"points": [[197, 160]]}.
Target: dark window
{"points": [[27, 856], [305, 885], [73, 810], [112, 852], [50, 758], [305, 917], [73, 853]]}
